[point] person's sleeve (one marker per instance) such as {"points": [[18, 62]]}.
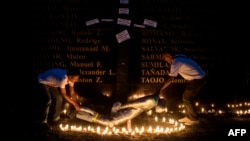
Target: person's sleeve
{"points": [[63, 83], [174, 70]]}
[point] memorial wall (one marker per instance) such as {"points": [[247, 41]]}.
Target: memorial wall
{"points": [[116, 44]]}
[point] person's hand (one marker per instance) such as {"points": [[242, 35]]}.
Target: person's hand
{"points": [[77, 107], [161, 95]]}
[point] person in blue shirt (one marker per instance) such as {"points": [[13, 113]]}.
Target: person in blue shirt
{"points": [[54, 82], [189, 70]]}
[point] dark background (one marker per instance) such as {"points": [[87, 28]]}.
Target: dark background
{"points": [[222, 26]]}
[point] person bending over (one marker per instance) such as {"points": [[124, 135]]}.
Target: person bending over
{"points": [[53, 82], [181, 64]]}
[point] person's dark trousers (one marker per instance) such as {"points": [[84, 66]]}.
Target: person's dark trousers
{"points": [[192, 89], [50, 93]]}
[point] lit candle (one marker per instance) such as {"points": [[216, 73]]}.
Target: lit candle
{"points": [[212, 105], [64, 111], [156, 118], [202, 110], [129, 124], [149, 112], [163, 119], [197, 104]]}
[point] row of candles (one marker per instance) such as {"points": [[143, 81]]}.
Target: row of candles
{"points": [[170, 126], [160, 125], [239, 109]]}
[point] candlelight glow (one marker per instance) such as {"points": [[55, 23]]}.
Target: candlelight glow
{"points": [[239, 109], [149, 112], [157, 127], [158, 123]]}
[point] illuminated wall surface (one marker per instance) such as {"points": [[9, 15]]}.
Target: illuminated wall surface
{"points": [[116, 46]]}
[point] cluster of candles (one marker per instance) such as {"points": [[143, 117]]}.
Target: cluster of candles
{"points": [[242, 108], [159, 127]]}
